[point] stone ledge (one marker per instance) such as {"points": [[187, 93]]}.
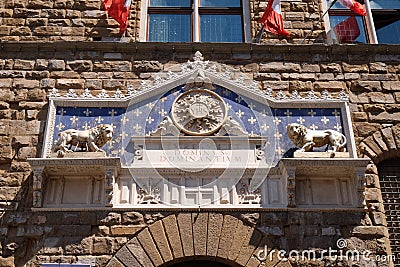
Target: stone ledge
{"points": [[250, 48], [371, 230]]}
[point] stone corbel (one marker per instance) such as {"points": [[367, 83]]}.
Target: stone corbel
{"points": [[360, 184], [109, 181], [38, 186]]}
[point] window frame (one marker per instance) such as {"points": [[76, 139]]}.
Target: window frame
{"points": [[368, 21], [196, 11], [349, 13]]}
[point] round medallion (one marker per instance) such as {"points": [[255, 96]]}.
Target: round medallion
{"points": [[199, 112]]}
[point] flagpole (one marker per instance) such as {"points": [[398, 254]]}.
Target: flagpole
{"points": [[261, 34], [320, 19]]}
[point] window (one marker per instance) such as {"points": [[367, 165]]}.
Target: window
{"points": [[386, 17], [389, 180], [346, 26], [382, 27], [196, 20]]}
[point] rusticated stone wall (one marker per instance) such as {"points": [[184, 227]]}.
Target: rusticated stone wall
{"points": [[84, 20], [370, 75]]}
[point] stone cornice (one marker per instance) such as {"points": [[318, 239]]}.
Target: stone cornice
{"points": [[206, 48]]}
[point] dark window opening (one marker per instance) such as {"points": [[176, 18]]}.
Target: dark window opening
{"points": [[387, 26], [389, 179]]}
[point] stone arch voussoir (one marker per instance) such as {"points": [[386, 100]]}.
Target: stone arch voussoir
{"points": [[382, 144], [186, 236]]}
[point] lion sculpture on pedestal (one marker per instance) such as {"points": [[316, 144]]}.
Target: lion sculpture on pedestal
{"points": [[90, 140], [306, 139]]}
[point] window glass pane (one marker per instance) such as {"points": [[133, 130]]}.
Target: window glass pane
{"points": [[347, 29], [167, 3], [384, 4], [169, 28], [220, 3], [221, 28], [387, 29]]}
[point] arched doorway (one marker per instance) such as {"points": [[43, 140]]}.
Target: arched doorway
{"points": [[389, 179]]}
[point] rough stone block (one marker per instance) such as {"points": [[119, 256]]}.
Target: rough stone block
{"points": [[132, 217], [159, 236], [275, 85], [384, 117], [102, 245], [125, 230], [366, 129], [379, 140], [370, 142], [373, 195], [227, 235], [114, 262], [172, 233], [331, 85], [146, 66], [200, 221], [359, 116], [77, 245], [242, 234], [365, 86], [23, 83], [47, 30], [186, 233], [149, 246], [111, 219], [355, 68], [112, 66], [215, 221], [396, 134], [378, 231], [125, 256], [280, 67], [307, 67], [136, 249], [70, 83], [377, 67], [378, 97], [80, 65], [21, 64], [248, 248]]}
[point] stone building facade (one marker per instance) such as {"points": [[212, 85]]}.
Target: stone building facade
{"points": [[48, 48]]}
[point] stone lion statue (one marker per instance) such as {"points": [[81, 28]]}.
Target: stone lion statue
{"points": [[90, 140], [306, 138]]}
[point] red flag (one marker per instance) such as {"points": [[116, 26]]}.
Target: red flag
{"points": [[347, 31], [355, 6], [118, 10], [272, 18]]}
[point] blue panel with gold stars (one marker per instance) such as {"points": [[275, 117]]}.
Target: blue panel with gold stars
{"points": [[81, 118], [142, 118]]}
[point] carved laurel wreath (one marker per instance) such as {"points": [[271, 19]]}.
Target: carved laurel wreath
{"points": [[199, 112]]}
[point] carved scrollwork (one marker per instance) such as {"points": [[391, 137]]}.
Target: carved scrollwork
{"points": [[151, 195], [37, 186], [247, 197], [232, 127], [109, 186], [166, 127], [138, 152]]}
